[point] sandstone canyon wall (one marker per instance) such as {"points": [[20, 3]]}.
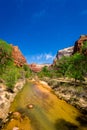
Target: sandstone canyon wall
{"points": [[72, 50], [18, 57]]}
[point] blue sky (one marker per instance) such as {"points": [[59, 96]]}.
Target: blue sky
{"points": [[41, 27]]}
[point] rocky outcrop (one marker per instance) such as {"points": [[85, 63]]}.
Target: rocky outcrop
{"points": [[78, 47], [64, 52], [79, 44], [6, 98], [37, 67], [18, 57]]}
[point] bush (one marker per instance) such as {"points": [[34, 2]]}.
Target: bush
{"points": [[11, 75], [44, 72], [74, 66], [26, 67], [5, 52], [84, 47], [27, 70], [5, 55]]}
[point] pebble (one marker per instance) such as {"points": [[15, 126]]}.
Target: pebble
{"points": [[30, 106], [15, 128]]}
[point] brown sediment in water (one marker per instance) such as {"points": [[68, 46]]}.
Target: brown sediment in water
{"points": [[48, 113]]}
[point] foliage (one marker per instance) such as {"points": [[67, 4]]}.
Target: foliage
{"points": [[73, 67], [11, 75], [28, 73], [84, 47], [26, 67], [27, 70], [5, 55], [62, 65], [4, 47], [47, 72], [76, 67], [44, 72], [9, 72]]}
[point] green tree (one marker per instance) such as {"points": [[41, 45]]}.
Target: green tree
{"points": [[28, 71], [62, 65], [45, 72], [76, 67]]}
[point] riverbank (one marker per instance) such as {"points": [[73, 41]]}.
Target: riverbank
{"points": [[40, 91], [65, 89], [48, 112], [6, 98]]}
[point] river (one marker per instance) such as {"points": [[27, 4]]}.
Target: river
{"points": [[41, 110]]}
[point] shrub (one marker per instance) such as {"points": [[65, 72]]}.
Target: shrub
{"points": [[44, 72], [26, 67], [5, 55], [84, 47], [11, 75]]}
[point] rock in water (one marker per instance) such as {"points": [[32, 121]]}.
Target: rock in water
{"points": [[15, 128], [30, 106], [16, 115]]}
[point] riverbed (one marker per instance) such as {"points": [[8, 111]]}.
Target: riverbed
{"points": [[40, 109]]}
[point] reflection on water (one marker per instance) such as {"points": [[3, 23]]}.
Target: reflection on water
{"points": [[47, 113], [65, 125]]}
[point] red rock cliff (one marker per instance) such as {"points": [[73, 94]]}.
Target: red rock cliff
{"points": [[79, 43], [72, 50], [18, 57], [37, 67]]}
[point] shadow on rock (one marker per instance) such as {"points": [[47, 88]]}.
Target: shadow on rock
{"points": [[1, 123]]}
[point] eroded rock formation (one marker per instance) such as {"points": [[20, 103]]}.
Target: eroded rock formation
{"points": [[72, 50], [37, 67], [65, 52], [79, 44], [18, 57]]}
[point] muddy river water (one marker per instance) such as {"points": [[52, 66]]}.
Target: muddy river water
{"points": [[40, 109]]}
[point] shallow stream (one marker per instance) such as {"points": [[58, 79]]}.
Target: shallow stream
{"points": [[41, 110]]}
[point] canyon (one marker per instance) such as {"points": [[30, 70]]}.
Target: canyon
{"points": [[70, 95]]}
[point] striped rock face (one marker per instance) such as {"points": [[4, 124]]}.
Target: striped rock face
{"points": [[72, 50], [79, 44], [18, 57], [65, 52]]}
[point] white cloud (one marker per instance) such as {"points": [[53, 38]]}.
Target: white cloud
{"points": [[41, 58], [49, 56]]}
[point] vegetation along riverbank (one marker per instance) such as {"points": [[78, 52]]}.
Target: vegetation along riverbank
{"points": [[66, 78]]}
